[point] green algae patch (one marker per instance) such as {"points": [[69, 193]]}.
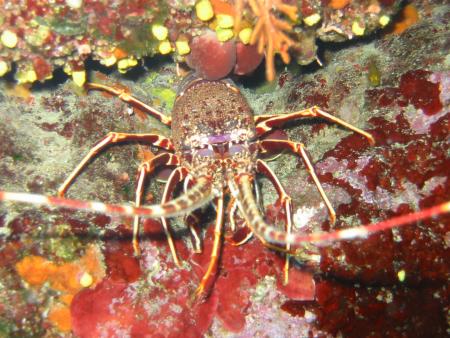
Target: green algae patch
{"points": [[166, 95]]}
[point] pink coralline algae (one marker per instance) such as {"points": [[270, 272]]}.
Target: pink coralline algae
{"points": [[407, 168], [415, 88], [161, 304], [377, 284], [387, 179], [113, 309], [351, 311]]}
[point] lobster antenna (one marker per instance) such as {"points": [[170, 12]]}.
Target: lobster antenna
{"points": [[199, 195], [248, 208]]}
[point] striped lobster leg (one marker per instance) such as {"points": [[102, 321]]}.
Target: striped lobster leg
{"points": [[199, 195], [241, 188], [265, 123], [286, 202], [231, 211], [207, 279], [175, 177], [113, 138], [144, 170], [192, 220], [126, 97], [299, 149]]}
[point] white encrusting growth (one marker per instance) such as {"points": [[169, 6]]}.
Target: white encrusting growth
{"points": [[303, 215]]}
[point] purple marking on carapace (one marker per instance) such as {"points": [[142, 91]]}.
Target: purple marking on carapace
{"points": [[219, 138]]}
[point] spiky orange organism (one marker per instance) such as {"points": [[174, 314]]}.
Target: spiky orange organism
{"points": [[269, 33]]}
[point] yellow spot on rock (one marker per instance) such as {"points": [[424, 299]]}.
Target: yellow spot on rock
{"points": [[312, 19], [401, 275], [86, 280], [384, 20], [165, 47], [126, 63], [245, 35], [374, 74], [204, 10], [27, 76], [224, 34], [160, 32], [67, 69], [109, 61], [357, 29], [4, 68], [9, 39], [225, 21], [79, 77], [182, 47]]}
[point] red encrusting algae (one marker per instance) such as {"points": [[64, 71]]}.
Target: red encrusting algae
{"points": [[164, 298]]}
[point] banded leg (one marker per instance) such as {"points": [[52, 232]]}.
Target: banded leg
{"points": [[124, 96], [231, 211], [145, 169], [113, 138], [299, 149], [286, 201], [265, 123], [191, 220], [206, 281], [177, 176], [232, 208]]}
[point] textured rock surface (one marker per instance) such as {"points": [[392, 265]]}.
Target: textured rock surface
{"points": [[39, 36]]}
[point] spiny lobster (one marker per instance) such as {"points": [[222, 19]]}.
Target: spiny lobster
{"points": [[215, 147]]}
